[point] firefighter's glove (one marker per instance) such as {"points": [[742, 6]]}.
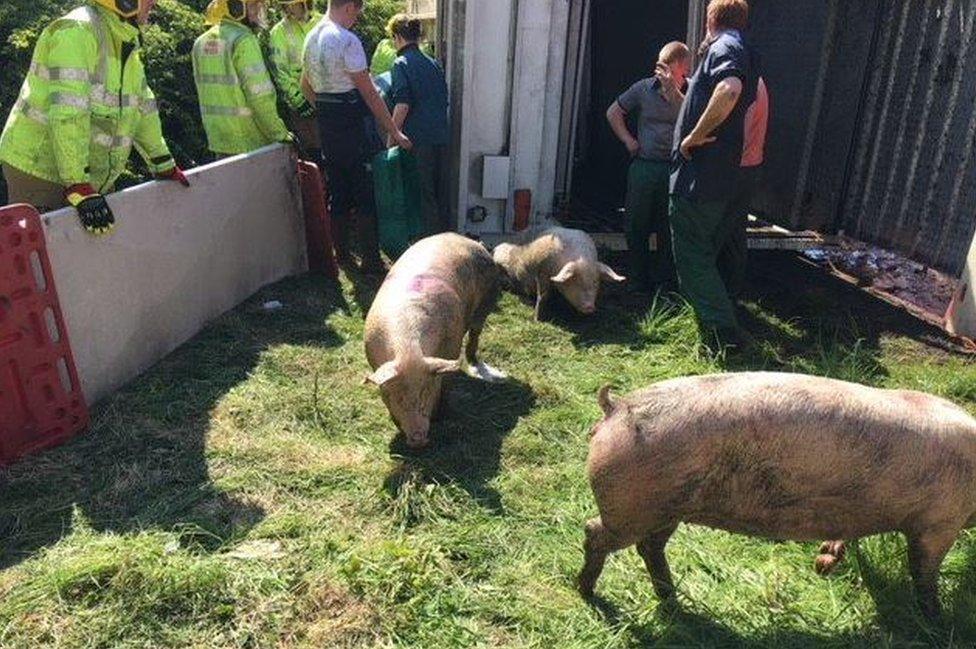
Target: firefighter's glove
{"points": [[306, 110], [93, 210], [176, 175]]}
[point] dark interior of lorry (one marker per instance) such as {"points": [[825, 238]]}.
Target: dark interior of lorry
{"points": [[625, 38]]}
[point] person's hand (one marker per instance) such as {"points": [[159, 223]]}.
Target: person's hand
{"points": [[402, 141], [662, 71], [693, 141], [93, 210], [176, 175], [633, 147]]}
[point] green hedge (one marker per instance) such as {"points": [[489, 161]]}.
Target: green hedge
{"points": [[168, 43]]}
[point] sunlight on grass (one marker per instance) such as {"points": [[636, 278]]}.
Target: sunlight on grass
{"points": [[249, 492]]}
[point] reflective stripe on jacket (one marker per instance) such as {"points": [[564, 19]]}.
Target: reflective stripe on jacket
{"points": [[287, 41], [237, 98], [84, 104]]}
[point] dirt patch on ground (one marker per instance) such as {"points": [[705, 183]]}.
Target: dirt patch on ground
{"points": [[332, 617]]}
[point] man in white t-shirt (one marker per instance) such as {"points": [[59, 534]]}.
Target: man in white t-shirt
{"points": [[336, 79]]}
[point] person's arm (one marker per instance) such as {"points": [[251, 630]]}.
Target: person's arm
{"points": [[307, 89], [364, 84], [720, 106], [148, 137], [617, 117], [258, 89], [72, 53], [284, 74], [400, 112]]}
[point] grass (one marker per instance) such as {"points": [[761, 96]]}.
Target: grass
{"points": [[249, 492]]}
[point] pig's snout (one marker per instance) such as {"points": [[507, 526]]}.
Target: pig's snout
{"points": [[588, 308], [416, 432]]}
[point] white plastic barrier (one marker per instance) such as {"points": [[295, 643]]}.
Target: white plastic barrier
{"points": [[177, 258]]}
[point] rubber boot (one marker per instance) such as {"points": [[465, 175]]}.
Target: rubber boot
{"points": [[369, 249]]}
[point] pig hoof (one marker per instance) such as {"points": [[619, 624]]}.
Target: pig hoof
{"points": [[831, 554], [585, 586], [485, 372], [836, 548], [825, 564]]}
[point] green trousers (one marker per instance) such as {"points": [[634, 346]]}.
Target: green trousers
{"points": [[732, 259], [699, 232], [646, 208], [430, 168]]}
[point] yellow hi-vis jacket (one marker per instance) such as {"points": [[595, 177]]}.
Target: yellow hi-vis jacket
{"points": [[84, 103], [237, 98], [287, 43]]}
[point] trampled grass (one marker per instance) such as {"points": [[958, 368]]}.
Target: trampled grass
{"points": [[248, 492]]}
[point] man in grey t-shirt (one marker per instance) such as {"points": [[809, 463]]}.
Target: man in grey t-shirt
{"points": [[656, 101]]}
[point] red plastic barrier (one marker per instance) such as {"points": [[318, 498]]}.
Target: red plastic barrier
{"points": [[41, 403], [318, 222]]}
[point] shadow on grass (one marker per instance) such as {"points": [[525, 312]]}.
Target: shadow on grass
{"points": [[364, 287], [802, 312], [466, 440], [143, 463], [684, 626]]}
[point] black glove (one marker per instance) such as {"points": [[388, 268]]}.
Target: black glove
{"points": [[93, 210], [306, 110]]}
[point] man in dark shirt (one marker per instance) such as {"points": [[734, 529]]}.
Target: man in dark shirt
{"points": [[418, 93], [708, 150], [656, 105]]}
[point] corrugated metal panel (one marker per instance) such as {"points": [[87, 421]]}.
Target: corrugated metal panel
{"points": [[911, 184], [873, 123]]}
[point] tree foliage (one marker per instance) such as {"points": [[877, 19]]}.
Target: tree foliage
{"points": [[168, 42]]}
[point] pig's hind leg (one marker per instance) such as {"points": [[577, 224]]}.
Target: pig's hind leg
{"points": [[651, 549], [925, 554], [598, 543]]}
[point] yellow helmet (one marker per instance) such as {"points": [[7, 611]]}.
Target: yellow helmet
{"points": [[309, 4], [217, 10], [124, 8]]}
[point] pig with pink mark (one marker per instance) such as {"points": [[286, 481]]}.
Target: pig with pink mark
{"points": [[557, 258], [782, 456], [441, 289]]}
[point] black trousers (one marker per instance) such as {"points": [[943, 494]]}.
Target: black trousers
{"points": [[345, 154]]}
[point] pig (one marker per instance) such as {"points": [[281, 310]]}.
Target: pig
{"points": [[556, 256], [782, 456], [442, 288]]}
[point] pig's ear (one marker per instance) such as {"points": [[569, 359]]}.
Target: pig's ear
{"points": [[608, 273], [442, 366], [383, 374], [606, 401], [564, 275]]}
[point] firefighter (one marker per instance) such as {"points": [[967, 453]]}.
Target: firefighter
{"points": [[83, 105], [238, 103], [287, 40]]}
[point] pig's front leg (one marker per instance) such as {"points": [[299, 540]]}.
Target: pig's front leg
{"points": [[831, 554], [925, 554], [476, 368], [541, 298]]}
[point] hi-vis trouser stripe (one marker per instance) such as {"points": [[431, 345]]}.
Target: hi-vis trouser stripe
{"points": [[235, 111], [261, 88], [23, 106], [217, 79], [110, 142]]}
